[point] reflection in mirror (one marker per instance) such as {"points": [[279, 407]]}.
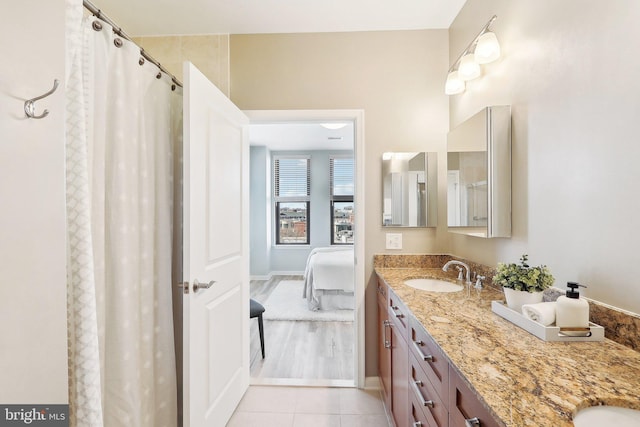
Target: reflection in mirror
{"points": [[409, 189], [467, 194], [479, 174]]}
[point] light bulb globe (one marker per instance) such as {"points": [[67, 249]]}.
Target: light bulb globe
{"points": [[469, 68], [487, 49], [454, 84]]}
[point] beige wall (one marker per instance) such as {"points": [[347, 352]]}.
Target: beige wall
{"points": [[33, 232], [396, 77], [570, 71], [209, 53]]}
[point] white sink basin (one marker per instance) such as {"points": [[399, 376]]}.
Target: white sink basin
{"points": [[599, 416], [433, 285]]}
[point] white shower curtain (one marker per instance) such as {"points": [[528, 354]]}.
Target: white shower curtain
{"points": [[120, 185]]}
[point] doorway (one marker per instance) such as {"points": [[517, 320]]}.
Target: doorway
{"points": [[292, 355]]}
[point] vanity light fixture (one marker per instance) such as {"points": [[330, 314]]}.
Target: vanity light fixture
{"points": [[484, 48]]}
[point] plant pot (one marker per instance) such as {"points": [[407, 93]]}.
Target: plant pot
{"points": [[516, 299]]}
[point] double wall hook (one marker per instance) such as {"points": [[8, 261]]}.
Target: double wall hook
{"points": [[30, 106]]}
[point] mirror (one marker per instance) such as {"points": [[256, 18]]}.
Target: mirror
{"points": [[409, 189], [479, 174]]}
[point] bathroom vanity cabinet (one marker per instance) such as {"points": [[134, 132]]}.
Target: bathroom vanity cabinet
{"points": [[393, 354], [466, 363], [420, 387]]}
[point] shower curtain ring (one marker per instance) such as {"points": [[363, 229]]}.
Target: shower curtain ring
{"points": [[30, 106]]}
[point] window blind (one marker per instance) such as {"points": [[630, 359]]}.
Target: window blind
{"points": [[292, 179], [341, 175]]}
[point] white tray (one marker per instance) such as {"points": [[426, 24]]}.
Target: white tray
{"points": [[546, 333]]}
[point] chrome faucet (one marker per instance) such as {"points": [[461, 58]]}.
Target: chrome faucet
{"points": [[456, 262]]}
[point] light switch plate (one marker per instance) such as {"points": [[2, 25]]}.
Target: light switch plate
{"points": [[394, 240]]}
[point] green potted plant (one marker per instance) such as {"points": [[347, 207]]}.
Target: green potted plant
{"points": [[522, 284]]}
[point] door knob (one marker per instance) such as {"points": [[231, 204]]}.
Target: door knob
{"points": [[197, 285]]}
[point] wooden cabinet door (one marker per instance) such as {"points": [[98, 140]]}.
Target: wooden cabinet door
{"points": [[384, 351], [399, 377]]}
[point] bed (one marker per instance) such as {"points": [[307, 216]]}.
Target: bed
{"points": [[329, 279]]}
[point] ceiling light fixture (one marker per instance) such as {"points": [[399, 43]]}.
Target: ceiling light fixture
{"points": [[484, 48], [333, 126]]}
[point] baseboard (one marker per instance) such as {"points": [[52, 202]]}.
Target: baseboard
{"points": [[301, 382], [267, 277], [287, 273], [276, 273], [372, 383]]}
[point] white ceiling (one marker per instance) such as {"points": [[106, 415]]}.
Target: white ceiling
{"points": [[175, 17], [301, 136]]}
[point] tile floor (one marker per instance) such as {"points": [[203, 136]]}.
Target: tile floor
{"points": [[279, 406]]}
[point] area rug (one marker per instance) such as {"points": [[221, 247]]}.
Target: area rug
{"points": [[286, 303]]}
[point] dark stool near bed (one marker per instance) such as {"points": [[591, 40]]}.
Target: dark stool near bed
{"points": [[255, 310]]}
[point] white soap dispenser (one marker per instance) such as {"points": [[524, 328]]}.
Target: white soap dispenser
{"points": [[571, 310]]}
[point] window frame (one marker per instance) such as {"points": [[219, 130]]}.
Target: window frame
{"points": [[278, 200], [278, 229], [333, 199]]}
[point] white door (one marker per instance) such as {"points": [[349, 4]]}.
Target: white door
{"points": [[216, 194], [33, 326]]}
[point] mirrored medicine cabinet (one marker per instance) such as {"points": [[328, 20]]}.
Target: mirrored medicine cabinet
{"points": [[479, 174], [409, 189]]}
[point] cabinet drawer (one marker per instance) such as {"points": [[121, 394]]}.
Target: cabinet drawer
{"points": [[429, 356], [424, 398], [465, 407], [398, 313], [418, 418]]}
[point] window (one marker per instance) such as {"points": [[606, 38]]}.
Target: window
{"points": [[341, 176], [291, 194]]}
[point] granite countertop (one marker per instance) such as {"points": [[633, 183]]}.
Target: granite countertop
{"points": [[523, 380]]}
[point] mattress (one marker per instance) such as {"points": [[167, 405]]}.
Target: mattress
{"points": [[329, 278]]}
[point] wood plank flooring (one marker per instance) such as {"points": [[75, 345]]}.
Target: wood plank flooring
{"points": [[303, 350]]}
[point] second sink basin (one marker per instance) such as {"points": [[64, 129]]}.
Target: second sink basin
{"points": [[433, 285], [597, 416]]}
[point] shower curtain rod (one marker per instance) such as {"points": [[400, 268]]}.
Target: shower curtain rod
{"points": [[119, 31]]}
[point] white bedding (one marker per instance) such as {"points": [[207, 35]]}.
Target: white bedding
{"points": [[329, 278]]}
